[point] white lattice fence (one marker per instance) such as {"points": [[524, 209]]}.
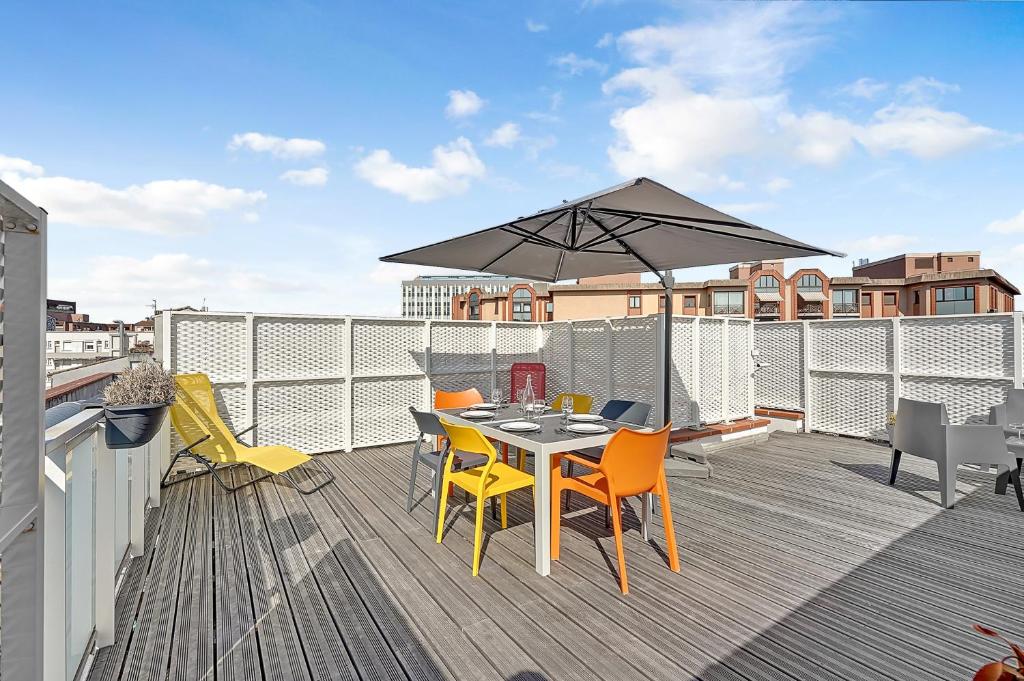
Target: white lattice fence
{"points": [[740, 386], [779, 376]]}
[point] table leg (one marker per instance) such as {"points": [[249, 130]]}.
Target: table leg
{"points": [[542, 512]]}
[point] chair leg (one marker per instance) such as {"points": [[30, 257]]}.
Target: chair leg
{"points": [[504, 453], [504, 511], [617, 527], [894, 466], [947, 484], [670, 534], [521, 464], [412, 483], [1015, 477], [442, 506], [1002, 479], [568, 493], [556, 522], [478, 538]]}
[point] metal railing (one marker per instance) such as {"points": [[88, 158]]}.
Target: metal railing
{"points": [[96, 500]]}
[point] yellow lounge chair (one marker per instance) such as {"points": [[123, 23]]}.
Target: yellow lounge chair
{"points": [[211, 443]]}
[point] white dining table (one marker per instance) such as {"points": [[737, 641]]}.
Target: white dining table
{"points": [[543, 444]]}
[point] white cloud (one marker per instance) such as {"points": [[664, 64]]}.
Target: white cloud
{"points": [[777, 184], [505, 135], [279, 147], [161, 206], [879, 243], [924, 132], [12, 166], [864, 88], [607, 40], [925, 89], [1011, 225], [819, 137], [572, 64], [455, 165], [535, 26], [463, 103], [313, 177]]}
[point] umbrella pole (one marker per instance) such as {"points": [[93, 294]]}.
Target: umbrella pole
{"points": [[666, 397]]}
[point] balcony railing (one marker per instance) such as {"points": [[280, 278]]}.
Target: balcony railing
{"points": [[767, 309], [845, 309], [729, 310]]}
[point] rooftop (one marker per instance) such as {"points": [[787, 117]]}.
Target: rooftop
{"points": [[798, 560]]}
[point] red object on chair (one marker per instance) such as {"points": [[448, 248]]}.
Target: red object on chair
{"points": [[520, 370]]}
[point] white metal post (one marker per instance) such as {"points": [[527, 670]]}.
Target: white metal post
{"points": [[695, 368], [1018, 348], [750, 368], [609, 351], [806, 327], [137, 507], [23, 539], [494, 356], [158, 452], [250, 378], [572, 358], [347, 351], [53, 570], [897, 363], [427, 406], [726, 369], [659, 361], [106, 562]]}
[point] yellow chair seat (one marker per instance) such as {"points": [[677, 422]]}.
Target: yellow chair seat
{"points": [[276, 459], [501, 478]]}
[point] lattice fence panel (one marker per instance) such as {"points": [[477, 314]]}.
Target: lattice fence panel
{"points": [[958, 346], [850, 404], [779, 382], [710, 400], [380, 410], [513, 343], [211, 344], [862, 345], [967, 400], [299, 348], [590, 361], [683, 396], [387, 347], [634, 362], [481, 380], [464, 347], [309, 415], [555, 345], [739, 369]]}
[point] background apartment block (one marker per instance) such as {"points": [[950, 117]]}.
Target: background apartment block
{"points": [[430, 297]]}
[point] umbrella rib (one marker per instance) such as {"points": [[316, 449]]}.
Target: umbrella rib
{"points": [[626, 247], [516, 229], [604, 238], [664, 216]]}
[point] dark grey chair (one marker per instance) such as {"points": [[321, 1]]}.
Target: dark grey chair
{"points": [[624, 411], [429, 425]]}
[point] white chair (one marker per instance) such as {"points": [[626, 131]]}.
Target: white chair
{"points": [[922, 429], [1010, 411]]}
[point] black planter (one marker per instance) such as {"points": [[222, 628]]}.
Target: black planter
{"points": [[133, 425]]}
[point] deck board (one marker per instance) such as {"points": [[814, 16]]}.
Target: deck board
{"points": [[798, 561]]}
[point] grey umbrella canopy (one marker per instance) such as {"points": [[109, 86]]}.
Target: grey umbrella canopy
{"points": [[637, 226]]}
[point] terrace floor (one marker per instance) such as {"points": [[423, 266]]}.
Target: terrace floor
{"points": [[798, 562]]}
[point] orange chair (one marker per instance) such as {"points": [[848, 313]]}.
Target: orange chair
{"points": [[633, 463], [463, 399]]}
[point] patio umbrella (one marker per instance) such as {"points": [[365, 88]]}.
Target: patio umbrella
{"points": [[637, 226]]}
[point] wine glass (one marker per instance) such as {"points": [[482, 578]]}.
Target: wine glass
{"points": [[520, 400], [496, 397], [566, 408], [1019, 427]]}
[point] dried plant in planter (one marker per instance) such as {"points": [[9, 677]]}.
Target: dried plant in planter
{"points": [[1010, 668], [145, 383]]}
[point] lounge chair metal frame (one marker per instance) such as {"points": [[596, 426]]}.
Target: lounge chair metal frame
{"points": [[211, 468]]}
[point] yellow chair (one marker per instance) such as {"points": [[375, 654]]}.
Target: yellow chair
{"points": [[492, 479], [581, 404], [210, 442]]}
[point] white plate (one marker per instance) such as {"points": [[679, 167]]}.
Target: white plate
{"points": [[520, 426], [584, 418], [476, 414], [587, 428], [485, 405]]}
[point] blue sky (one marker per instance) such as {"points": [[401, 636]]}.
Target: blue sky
{"points": [[262, 157]]}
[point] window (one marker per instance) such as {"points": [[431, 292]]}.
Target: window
{"points": [[970, 258], [474, 306], [844, 301], [661, 302], [923, 263], [767, 282], [809, 282], [634, 302], [90, 346], [728, 302], [549, 307], [949, 259], [690, 302], [522, 305], [954, 300], [865, 299], [888, 298]]}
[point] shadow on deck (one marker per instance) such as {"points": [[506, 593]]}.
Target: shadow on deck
{"points": [[798, 563]]}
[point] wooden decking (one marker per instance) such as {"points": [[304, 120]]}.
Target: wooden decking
{"points": [[798, 563]]}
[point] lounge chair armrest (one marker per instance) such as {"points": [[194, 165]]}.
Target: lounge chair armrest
{"points": [[243, 432]]}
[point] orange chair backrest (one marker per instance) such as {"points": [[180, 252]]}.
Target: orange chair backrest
{"points": [[633, 460], [457, 400]]}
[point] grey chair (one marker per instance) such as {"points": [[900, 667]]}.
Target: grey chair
{"points": [[922, 429], [430, 427], [624, 411], [1010, 411]]}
